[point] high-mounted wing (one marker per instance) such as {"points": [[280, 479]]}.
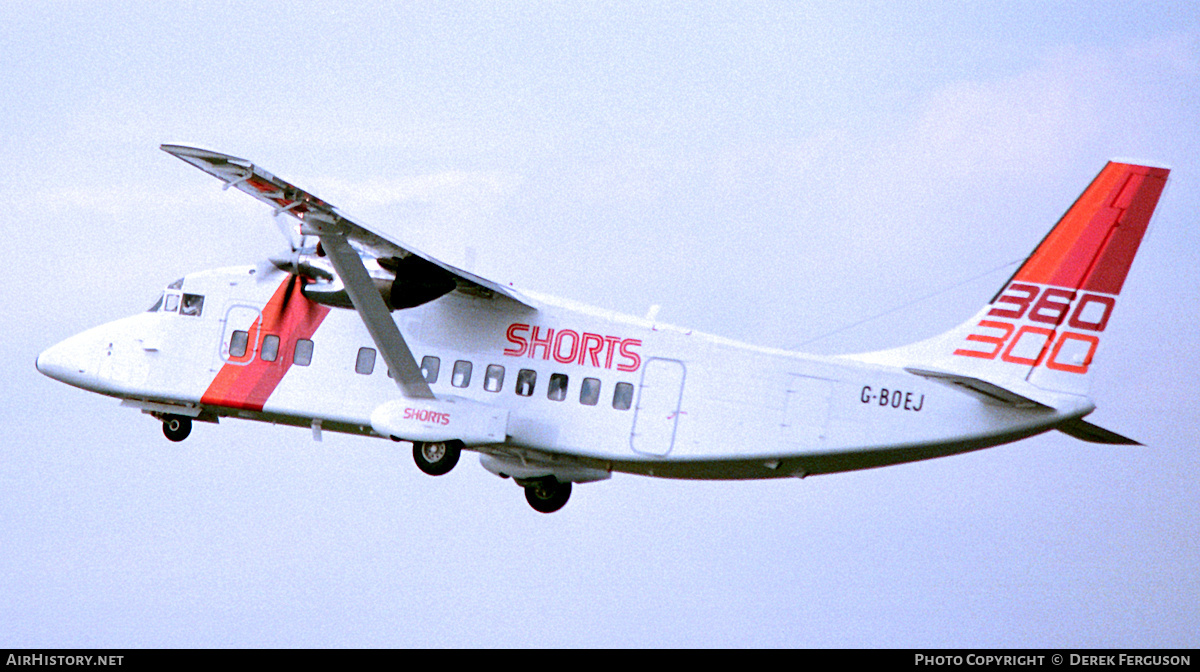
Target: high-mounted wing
{"points": [[289, 199], [429, 277]]}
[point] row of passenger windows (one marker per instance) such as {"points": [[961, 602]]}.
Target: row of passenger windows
{"points": [[269, 352], [493, 381], [460, 375]]}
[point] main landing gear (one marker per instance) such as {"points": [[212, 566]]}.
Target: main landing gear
{"points": [[436, 457], [176, 427], [546, 494]]}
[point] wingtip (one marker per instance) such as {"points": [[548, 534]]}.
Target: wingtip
{"points": [[191, 151], [175, 147]]}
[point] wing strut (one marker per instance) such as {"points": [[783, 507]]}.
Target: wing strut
{"points": [[371, 308]]}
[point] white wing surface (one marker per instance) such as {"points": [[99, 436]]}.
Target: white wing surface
{"points": [[289, 199]]}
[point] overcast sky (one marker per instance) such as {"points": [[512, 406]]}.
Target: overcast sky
{"points": [[769, 172]]}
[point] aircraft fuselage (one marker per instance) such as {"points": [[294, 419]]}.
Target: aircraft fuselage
{"points": [[594, 389]]}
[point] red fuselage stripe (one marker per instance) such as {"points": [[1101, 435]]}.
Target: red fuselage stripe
{"points": [[248, 386]]}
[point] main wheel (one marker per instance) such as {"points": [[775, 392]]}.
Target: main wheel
{"points": [[176, 427], [436, 457], [547, 495]]}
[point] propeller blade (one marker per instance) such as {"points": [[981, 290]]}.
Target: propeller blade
{"points": [[287, 295], [288, 230], [265, 270], [288, 264]]}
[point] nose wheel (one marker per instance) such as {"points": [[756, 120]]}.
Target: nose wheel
{"points": [[176, 427], [547, 495], [436, 457]]}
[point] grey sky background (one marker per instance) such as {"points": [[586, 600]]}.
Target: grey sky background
{"points": [[768, 172]]}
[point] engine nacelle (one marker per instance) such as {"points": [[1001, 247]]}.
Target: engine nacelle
{"points": [[403, 283], [443, 419]]}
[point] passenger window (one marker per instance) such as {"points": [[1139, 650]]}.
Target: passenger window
{"points": [[589, 392], [429, 369], [365, 363], [302, 355], [270, 348], [526, 379], [192, 305], [462, 374], [493, 379], [238, 343], [172, 303], [558, 387], [623, 396]]}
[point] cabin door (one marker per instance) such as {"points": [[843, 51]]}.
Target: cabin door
{"points": [[657, 413], [239, 335]]}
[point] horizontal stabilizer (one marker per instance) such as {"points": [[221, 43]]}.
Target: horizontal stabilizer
{"points": [[981, 389], [1086, 431]]}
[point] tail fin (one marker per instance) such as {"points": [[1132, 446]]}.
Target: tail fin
{"points": [[1045, 324]]}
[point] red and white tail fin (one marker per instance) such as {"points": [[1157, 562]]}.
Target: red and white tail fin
{"points": [[1045, 325]]}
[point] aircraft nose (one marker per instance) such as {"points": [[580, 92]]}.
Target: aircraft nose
{"points": [[68, 362]]}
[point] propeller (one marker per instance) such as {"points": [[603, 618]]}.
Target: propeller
{"points": [[291, 262]]}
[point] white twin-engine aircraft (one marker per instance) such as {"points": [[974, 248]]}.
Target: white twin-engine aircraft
{"points": [[551, 393]]}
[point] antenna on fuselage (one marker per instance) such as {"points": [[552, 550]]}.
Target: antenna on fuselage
{"points": [[915, 301]]}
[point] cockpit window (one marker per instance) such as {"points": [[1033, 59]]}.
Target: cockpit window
{"points": [[157, 305], [172, 303], [192, 305], [178, 284]]}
